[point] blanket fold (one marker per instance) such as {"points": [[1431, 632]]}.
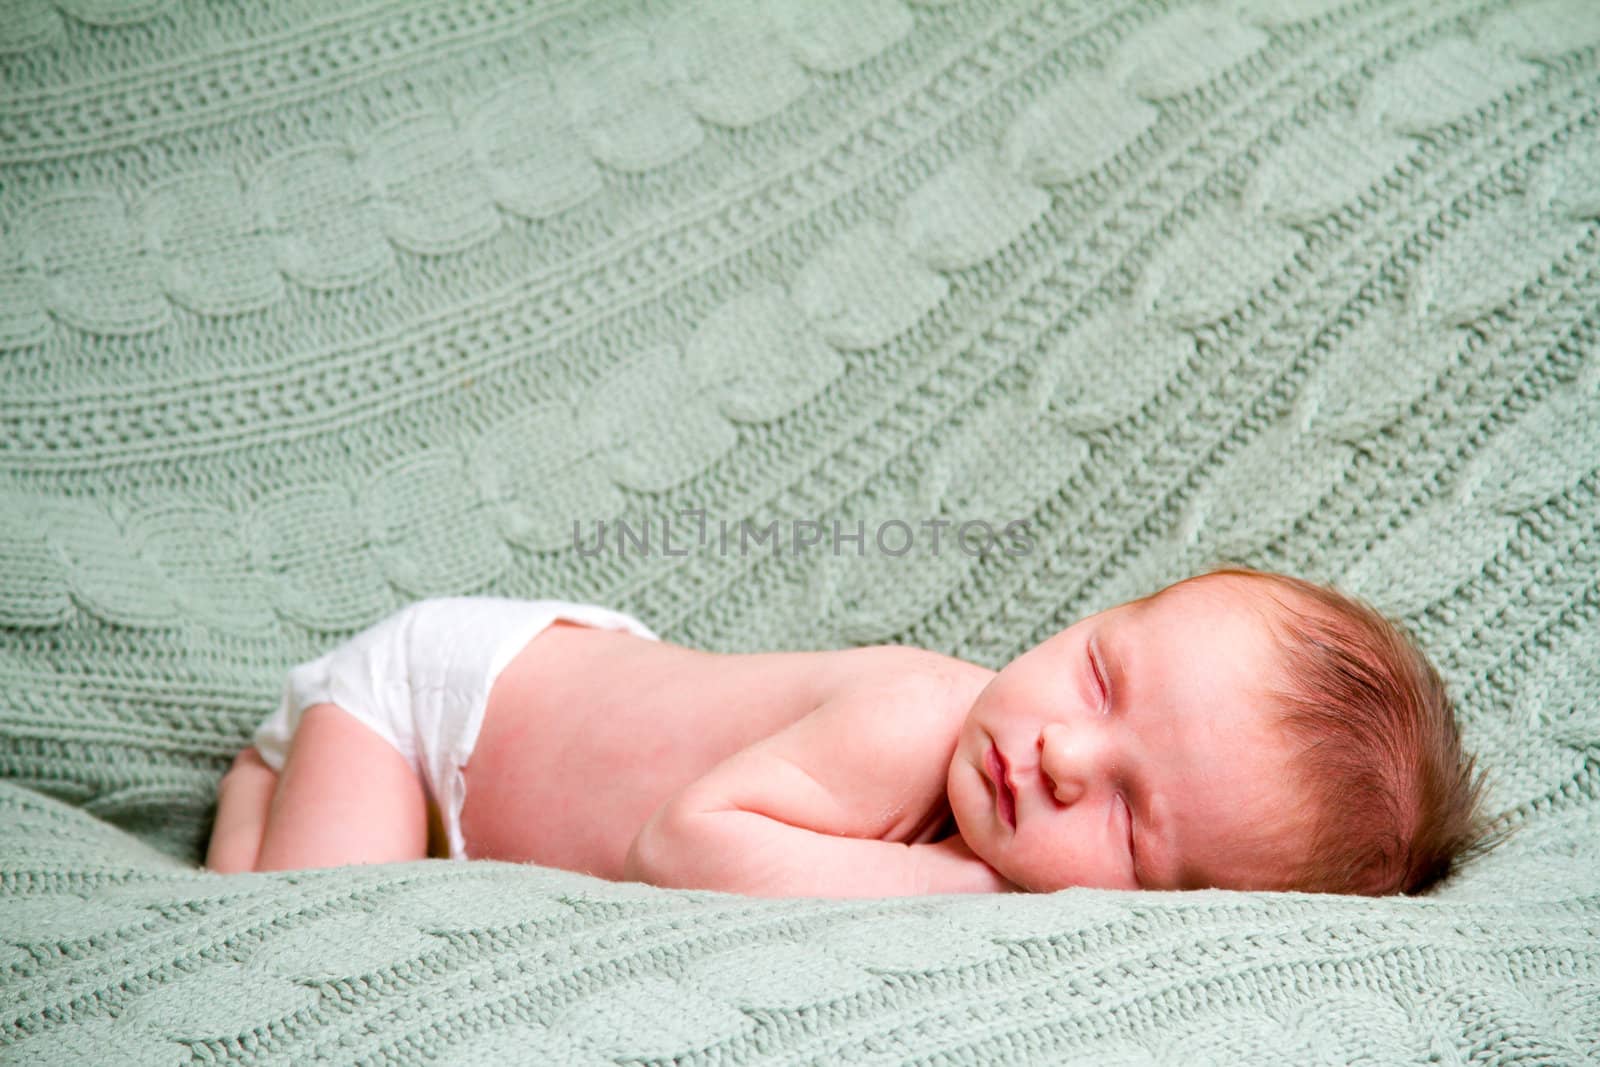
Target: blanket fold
{"points": [[790, 325]]}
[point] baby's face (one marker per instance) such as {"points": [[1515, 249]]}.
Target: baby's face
{"points": [[1139, 748]]}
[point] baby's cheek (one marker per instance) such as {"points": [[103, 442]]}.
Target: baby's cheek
{"points": [[959, 793], [1065, 859]]}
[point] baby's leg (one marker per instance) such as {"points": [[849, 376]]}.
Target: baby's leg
{"points": [[345, 796], [243, 799]]}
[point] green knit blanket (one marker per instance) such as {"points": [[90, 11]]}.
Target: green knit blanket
{"points": [[309, 310]]}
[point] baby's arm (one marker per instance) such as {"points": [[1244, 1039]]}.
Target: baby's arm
{"points": [[803, 812]]}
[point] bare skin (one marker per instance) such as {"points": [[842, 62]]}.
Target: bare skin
{"points": [[588, 732], [573, 759], [1138, 748]]}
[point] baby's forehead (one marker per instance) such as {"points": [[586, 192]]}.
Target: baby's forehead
{"points": [[1255, 599], [1222, 619], [1203, 595]]}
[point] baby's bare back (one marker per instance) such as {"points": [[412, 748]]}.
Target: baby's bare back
{"points": [[589, 731]]}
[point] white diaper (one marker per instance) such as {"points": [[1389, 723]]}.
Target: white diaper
{"points": [[421, 679]]}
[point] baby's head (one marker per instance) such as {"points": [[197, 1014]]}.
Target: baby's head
{"points": [[1237, 730]]}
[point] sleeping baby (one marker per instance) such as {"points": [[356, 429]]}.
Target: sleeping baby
{"points": [[1237, 730]]}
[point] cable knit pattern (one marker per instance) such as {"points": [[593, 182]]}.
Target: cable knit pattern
{"points": [[308, 311]]}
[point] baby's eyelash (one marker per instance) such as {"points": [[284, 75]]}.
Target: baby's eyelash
{"points": [[1133, 855], [1099, 676]]}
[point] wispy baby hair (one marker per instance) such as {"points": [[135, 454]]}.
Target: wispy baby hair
{"points": [[1392, 802]]}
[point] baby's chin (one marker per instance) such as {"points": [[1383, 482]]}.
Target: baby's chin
{"points": [[977, 845]]}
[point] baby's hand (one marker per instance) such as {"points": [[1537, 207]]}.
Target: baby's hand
{"points": [[951, 867]]}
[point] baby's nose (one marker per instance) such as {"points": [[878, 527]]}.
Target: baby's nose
{"points": [[1055, 759]]}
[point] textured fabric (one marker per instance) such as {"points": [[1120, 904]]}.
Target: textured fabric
{"points": [[311, 310]]}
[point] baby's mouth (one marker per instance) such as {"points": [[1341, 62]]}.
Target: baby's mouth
{"points": [[1004, 799]]}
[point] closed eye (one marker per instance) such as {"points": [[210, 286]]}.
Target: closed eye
{"points": [[1099, 678], [1133, 856]]}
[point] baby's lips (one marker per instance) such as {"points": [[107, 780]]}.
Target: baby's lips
{"points": [[999, 773]]}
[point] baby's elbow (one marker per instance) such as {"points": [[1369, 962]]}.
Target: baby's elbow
{"points": [[683, 849], [647, 855], [633, 869], [662, 853]]}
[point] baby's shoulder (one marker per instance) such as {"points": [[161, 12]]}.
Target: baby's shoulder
{"points": [[938, 665], [922, 674]]}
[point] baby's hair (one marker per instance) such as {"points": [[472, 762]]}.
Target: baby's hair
{"points": [[1392, 803]]}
